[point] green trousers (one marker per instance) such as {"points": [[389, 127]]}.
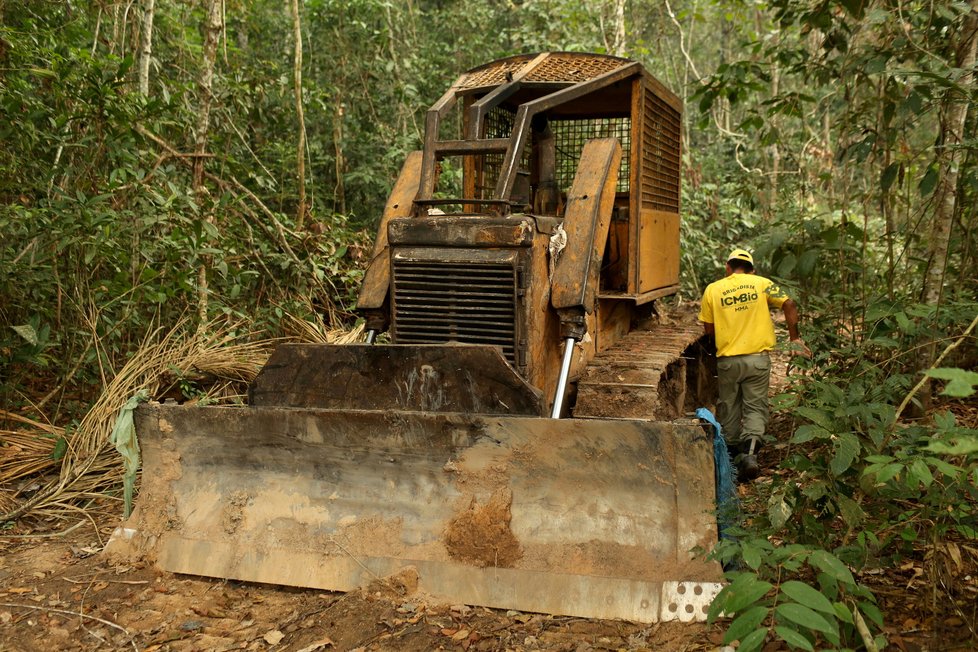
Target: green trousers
{"points": [[742, 405]]}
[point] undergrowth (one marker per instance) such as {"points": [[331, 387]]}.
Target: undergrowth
{"points": [[872, 475]]}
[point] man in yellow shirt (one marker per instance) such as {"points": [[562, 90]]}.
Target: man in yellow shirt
{"points": [[736, 310]]}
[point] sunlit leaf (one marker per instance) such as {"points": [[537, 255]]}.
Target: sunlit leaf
{"points": [[830, 564], [961, 383], [807, 595], [27, 332]]}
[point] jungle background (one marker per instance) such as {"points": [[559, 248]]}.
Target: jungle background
{"points": [[184, 181]]}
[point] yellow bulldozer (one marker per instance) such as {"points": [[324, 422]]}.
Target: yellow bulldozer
{"points": [[520, 442]]}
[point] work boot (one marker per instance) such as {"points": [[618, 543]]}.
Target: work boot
{"points": [[747, 467], [746, 462]]}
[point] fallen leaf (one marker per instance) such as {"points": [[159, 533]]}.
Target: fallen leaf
{"points": [[273, 637], [317, 645], [19, 589], [207, 611], [100, 586], [460, 634], [40, 575], [5, 617]]}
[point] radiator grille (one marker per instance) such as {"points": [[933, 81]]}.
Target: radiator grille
{"points": [[437, 302]]}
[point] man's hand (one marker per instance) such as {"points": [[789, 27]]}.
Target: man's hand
{"points": [[798, 347]]}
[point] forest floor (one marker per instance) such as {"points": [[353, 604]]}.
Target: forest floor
{"points": [[58, 593]]}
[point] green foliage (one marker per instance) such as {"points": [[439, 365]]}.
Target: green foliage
{"points": [[104, 235], [961, 383], [762, 604], [716, 219], [861, 488]]}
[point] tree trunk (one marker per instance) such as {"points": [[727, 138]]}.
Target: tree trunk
{"points": [[772, 189], [618, 45], [948, 155], [146, 46], [339, 204], [300, 215], [212, 34], [954, 114]]}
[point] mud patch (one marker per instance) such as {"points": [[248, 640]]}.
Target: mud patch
{"points": [[233, 512], [396, 586], [481, 535]]}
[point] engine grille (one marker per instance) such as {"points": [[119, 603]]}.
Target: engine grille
{"points": [[474, 303]]}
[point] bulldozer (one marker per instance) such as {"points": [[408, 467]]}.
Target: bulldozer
{"points": [[514, 429]]}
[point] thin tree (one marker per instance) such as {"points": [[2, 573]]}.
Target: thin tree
{"points": [[954, 115], [212, 33], [146, 46], [947, 158], [618, 44], [301, 149]]}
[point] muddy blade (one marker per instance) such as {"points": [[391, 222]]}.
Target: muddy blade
{"points": [[577, 517]]}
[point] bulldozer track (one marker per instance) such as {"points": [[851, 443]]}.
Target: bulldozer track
{"points": [[659, 373]]}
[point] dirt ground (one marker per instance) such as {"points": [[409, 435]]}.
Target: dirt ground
{"points": [[58, 593]]}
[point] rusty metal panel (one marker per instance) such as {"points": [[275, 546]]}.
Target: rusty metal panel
{"points": [[638, 171], [659, 244], [573, 67], [588, 214], [462, 231], [447, 378], [661, 138], [376, 280]]}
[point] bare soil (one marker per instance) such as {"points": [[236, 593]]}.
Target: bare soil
{"points": [[58, 593]]}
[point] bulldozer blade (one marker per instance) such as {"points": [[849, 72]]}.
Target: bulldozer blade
{"points": [[411, 377], [589, 518]]}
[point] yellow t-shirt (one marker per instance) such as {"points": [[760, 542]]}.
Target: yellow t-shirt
{"points": [[739, 306]]}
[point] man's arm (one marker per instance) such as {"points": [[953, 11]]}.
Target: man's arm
{"points": [[709, 329], [790, 309]]}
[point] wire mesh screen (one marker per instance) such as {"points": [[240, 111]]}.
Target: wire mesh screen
{"points": [[498, 124], [570, 136], [660, 155]]}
